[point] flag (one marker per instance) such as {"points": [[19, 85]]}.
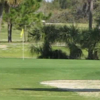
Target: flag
{"points": [[21, 34]]}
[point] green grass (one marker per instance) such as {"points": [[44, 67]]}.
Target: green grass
{"points": [[20, 79], [16, 33], [15, 50], [4, 35]]}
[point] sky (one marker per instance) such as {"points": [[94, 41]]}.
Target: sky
{"points": [[48, 0]]}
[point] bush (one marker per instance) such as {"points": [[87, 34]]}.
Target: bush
{"points": [[75, 52], [52, 34], [58, 54]]}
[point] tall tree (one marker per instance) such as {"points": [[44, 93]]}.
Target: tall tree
{"points": [[7, 4], [90, 2], [22, 15], [1, 11]]}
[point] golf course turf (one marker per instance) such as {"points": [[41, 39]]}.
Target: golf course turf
{"points": [[20, 79]]}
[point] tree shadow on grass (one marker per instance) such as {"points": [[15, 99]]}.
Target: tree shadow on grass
{"points": [[57, 89]]}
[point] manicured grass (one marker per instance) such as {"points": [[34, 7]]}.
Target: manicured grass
{"points": [[20, 79]]}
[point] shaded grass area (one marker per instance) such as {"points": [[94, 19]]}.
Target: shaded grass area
{"points": [[20, 79], [15, 50], [67, 51]]}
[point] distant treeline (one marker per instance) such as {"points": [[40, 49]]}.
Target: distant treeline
{"points": [[70, 10]]}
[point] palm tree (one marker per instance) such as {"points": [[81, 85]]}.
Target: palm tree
{"points": [[88, 9], [90, 3], [90, 41]]}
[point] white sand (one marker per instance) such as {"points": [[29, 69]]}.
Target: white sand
{"points": [[82, 87]]}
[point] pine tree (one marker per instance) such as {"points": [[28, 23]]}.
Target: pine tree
{"points": [[22, 16], [8, 4]]}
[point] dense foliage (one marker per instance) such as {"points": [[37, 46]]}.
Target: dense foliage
{"points": [[75, 39]]}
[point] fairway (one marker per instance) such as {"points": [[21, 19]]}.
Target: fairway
{"points": [[20, 79]]}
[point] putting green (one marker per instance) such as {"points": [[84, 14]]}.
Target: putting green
{"points": [[20, 79]]}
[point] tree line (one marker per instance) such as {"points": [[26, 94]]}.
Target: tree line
{"points": [[19, 14], [75, 39], [24, 13], [30, 13], [69, 11]]}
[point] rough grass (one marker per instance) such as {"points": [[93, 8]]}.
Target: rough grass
{"points": [[15, 50], [20, 79], [4, 35]]}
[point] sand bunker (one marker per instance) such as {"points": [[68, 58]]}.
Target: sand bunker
{"points": [[82, 87], [3, 46]]}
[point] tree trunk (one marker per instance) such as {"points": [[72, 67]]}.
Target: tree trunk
{"points": [[90, 54], [95, 55], [91, 51], [1, 11], [90, 13], [9, 31]]}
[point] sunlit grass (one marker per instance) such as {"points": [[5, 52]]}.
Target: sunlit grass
{"points": [[20, 79], [16, 50], [4, 34]]}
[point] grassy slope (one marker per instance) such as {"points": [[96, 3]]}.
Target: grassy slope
{"points": [[20, 80]]}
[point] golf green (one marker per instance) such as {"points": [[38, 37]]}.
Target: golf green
{"points": [[20, 79]]}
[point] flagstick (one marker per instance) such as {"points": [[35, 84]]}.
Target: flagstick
{"points": [[23, 47]]}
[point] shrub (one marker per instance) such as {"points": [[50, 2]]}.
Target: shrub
{"points": [[75, 51], [58, 54]]}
